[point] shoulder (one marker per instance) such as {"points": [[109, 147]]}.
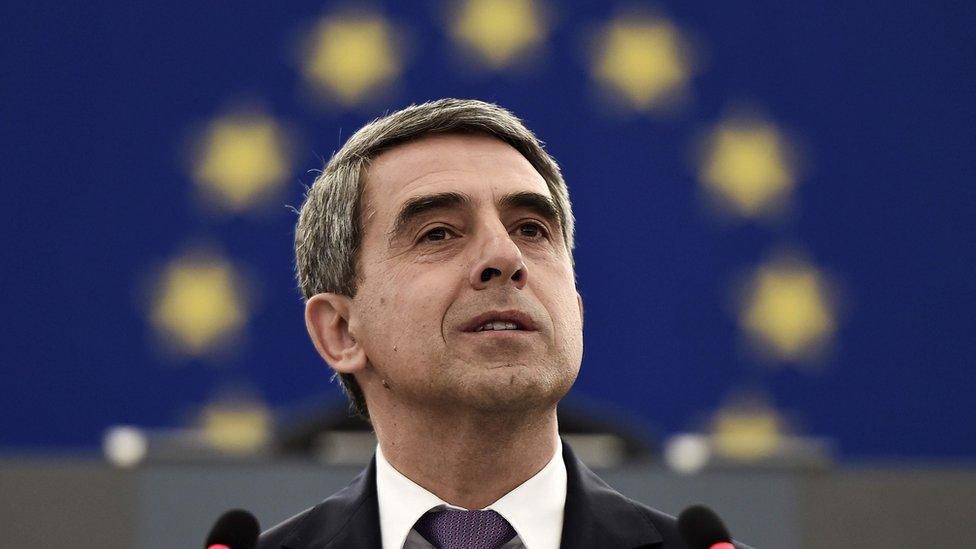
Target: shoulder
{"points": [[350, 513], [599, 516], [316, 525], [275, 537], [665, 524]]}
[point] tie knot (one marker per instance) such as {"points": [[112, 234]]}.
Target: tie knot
{"points": [[455, 529]]}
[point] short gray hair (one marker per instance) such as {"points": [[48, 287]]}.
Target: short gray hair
{"points": [[330, 227]]}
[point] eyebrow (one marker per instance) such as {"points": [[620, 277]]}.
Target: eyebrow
{"points": [[417, 206], [420, 205], [539, 204]]}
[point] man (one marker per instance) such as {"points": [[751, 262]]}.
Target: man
{"points": [[435, 255]]}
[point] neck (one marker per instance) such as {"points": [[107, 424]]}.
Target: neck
{"points": [[468, 459]]}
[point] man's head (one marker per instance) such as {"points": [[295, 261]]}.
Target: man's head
{"points": [[425, 225]]}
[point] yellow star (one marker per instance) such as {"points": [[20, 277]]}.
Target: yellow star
{"points": [[747, 432], [350, 57], [644, 60], [498, 31], [242, 160], [198, 303], [236, 428], [747, 167], [787, 311]]}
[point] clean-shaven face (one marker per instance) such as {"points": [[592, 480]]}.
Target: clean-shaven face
{"points": [[467, 296]]}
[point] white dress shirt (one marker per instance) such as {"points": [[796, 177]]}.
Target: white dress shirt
{"points": [[534, 508]]}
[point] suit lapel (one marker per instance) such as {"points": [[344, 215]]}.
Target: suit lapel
{"points": [[350, 518], [597, 515]]}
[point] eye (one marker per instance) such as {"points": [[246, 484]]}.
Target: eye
{"points": [[437, 234], [532, 230]]}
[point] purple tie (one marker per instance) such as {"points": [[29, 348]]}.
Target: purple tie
{"points": [[454, 529]]}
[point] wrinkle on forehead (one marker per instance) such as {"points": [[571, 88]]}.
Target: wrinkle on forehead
{"points": [[431, 162]]}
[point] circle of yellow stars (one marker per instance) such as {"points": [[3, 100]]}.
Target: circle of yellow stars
{"points": [[644, 62]]}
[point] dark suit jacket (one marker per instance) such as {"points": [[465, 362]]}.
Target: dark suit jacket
{"points": [[596, 517]]}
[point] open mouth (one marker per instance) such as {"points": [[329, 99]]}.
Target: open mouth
{"points": [[497, 325], [511, 321]]}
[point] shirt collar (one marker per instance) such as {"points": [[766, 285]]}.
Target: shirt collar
{"points": [[534, 508], [401, 502]]}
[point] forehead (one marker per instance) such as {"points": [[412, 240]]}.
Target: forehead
{"points": [[481, 166]]}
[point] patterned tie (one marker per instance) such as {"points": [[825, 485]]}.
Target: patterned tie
{"points": [[454, 529]]}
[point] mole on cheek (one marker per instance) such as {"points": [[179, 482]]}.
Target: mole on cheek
{"points": [[382, 301]]}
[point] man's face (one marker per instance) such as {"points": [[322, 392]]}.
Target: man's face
{"points": [[459, 231]]}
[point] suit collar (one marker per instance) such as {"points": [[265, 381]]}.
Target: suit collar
{"points": [[598, 516]]}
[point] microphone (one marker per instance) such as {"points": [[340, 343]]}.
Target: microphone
{"points": [[702, 529], [235, 529]]}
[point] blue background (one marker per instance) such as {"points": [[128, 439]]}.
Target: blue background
{"points": [[96, 101]]}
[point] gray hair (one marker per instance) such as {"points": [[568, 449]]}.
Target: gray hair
{"points": [[329, 230]]}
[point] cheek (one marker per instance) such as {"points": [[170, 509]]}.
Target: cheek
{"points": [[406, 312], [565, 310], [420, 312], [567, 316]]}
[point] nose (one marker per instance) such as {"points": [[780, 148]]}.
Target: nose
{"points": [[498, 262]]}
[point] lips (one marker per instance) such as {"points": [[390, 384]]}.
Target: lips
{"points": [[501, 320]]}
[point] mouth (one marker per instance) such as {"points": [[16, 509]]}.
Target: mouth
{"points": [[501, 322]]}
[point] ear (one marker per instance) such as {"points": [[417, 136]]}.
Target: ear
{"points": [[327, 321], [579, 301]]}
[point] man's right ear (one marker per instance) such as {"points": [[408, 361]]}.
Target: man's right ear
{"points": [[327, 321]]}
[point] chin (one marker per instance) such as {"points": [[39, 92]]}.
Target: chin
{"points": [[516, 388]]}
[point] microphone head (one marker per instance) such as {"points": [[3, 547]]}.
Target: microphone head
{"points": [[235, 529], [701, 528]]}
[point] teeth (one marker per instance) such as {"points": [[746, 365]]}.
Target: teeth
{"points": [[497, 325]]}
